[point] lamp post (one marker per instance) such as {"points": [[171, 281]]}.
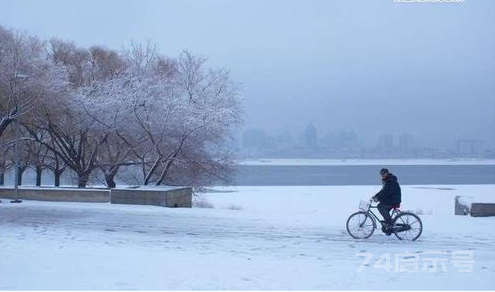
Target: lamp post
{"points": [[16, 159], [16, 145]]}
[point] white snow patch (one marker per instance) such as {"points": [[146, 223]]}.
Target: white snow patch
{"points": [[280, 238]]}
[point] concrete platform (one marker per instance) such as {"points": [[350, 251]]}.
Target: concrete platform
{"points": [[482, 209], [174, 197], [62, 194]]}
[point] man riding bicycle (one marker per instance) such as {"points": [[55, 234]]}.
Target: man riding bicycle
{"points": [[404, 225], [389, 197]]}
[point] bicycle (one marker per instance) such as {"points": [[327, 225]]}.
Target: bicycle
{"points": [[362, 224]]}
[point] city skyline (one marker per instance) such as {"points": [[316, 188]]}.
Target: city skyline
{"points": [[312, 142]]}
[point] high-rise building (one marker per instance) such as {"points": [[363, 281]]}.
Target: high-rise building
{"points": [[310, 136], [329, 140], [469, 147], [347, 140], [386, 143], [406, 143]]}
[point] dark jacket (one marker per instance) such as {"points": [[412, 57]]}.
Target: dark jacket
{"points": [[390, 193]]}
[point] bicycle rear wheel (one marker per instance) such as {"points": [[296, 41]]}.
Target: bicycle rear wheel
{"points": [[360, 225], [407, 226]]}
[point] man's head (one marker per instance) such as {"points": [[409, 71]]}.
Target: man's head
{"points": [[384, 173]]}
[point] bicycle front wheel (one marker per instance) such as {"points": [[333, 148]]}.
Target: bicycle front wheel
{"points": [[407, 226], [360, 225]]}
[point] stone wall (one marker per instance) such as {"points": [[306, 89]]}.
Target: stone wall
{"points": [[180, 197], [58, 194], [482, 209], [174, 197]]}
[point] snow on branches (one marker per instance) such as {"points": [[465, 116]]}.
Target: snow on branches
{"points": [[97, 111]]}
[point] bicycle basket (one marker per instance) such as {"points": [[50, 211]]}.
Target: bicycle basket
{"points": [[364, 205]]}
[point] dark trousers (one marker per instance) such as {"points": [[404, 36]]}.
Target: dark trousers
{"points": [[385, 211]]}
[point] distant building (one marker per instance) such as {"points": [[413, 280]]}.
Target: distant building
{"points": [[347, 140], [284, 140], [310, 136], [328, 140], [469, 147], [386, 143], [406, 144]]}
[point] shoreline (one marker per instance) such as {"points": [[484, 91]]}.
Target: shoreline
{"points": [[350, 162]]}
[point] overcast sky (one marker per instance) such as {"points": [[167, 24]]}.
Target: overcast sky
{"points": [[372, 66]]}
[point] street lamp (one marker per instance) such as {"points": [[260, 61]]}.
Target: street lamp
{"points": [[16, 145], [16, 158]]}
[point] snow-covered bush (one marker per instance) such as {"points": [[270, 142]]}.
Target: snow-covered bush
{"points": [[234, 207], [201, 202]]}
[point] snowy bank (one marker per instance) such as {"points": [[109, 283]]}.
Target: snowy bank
{"points": [[276, 238]]}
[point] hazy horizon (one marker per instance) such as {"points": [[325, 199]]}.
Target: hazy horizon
{"points": [[372, 67]]}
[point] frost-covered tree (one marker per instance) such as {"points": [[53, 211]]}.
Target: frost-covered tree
{"points": [[213, 103], [26, 74], [171, 115], [5, 161], [39, 156], [75, 136], [98, 110], [210, 108], [44, 158]]}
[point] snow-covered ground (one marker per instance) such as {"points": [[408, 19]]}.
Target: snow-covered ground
{"points": [[254, 238]]}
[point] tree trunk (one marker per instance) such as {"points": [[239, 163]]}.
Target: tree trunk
{"points": [[2, 177], [82, 180], [110, 176], [39, 172], [110, 181], [19, 178], [152, 170], [57, 174], [165, 171]]}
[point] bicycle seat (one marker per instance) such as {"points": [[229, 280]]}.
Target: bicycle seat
{"points": [[395, 207]]}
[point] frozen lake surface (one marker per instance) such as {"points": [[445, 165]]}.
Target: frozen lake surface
{"points": [[355, 174], [321, 172]]}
